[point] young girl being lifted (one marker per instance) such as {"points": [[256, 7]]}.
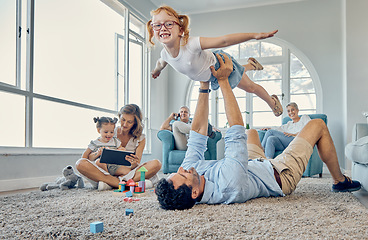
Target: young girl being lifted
{"points": [[188, 55]]}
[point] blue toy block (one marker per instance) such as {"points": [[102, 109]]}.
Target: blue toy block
{"points": [[129, 211], [129, 194], [96, 227]]}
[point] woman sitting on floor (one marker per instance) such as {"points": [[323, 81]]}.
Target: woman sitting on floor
{"points": [[130, 134]]}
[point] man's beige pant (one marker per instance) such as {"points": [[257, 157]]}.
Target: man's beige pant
{"points": [[290, 164]]}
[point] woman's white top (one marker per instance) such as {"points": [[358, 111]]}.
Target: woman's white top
{"points": [[294, 127], [132, 144]]}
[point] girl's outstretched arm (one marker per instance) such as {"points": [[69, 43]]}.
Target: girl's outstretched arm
{"points": [[160, 64], [232, 39]]}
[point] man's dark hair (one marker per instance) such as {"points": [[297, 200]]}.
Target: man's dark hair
{"points": [[171, 199]]}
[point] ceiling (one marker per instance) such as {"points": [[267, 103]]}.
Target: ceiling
{"points": [[201, 6]]}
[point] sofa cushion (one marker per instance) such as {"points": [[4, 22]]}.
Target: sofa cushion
{"points": [[176, 157], [358, 151]]}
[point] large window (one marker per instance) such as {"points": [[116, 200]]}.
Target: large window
{"points": [[287, 73], [64, 62]]}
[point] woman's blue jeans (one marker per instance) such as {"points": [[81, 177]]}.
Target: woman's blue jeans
{"points": [[275, 141]]}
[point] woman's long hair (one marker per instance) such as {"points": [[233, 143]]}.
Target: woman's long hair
{"points": [[133, 109]]}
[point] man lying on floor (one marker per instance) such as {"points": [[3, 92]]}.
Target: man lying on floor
{"points": [[235, 179]]}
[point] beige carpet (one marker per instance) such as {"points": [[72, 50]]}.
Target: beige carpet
{"points": [[311, 212]]}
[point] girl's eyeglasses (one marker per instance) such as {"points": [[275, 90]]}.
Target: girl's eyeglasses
{"points": [[168, 25]]}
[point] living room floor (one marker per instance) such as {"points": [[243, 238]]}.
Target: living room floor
{"points": [[361, 195]]}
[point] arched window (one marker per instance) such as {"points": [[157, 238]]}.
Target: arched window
{"points": [[287, 73]]}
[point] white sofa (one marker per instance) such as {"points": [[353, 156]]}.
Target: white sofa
{"points": [[357, 152]]}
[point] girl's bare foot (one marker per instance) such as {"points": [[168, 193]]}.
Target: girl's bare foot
{"points": [[277, 109], [255, 65], [252, 65]]}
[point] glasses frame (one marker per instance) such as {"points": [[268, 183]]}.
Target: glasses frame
{"points": [[164, 24]]}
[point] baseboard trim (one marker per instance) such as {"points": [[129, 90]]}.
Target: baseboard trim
{"points": [[24, 183]]}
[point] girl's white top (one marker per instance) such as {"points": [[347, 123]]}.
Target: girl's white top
{"points": [[94, 145], [192, 61]]}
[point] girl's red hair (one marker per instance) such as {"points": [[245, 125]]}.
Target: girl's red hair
{"points": [[183, 21]]}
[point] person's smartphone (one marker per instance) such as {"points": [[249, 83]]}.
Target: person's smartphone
{"points": [[177, 116]]}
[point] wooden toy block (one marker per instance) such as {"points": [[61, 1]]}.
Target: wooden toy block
{"points": [[129, 194], [96, 227], [122, 186], [135, 194], [119, 193], [143, 171], [128, 199], [142, 184], [129, 211], [131, 184]]}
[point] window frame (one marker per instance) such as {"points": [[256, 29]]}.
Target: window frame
{"points": [[287, 49], [28, 32]]}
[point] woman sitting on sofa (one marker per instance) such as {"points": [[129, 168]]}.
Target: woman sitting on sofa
{"points": [[277, 139]]}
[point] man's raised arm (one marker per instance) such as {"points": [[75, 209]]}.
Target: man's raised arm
{"points": [[200, 119], [232, 110]]}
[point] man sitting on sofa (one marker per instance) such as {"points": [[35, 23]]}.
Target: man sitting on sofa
{"points": [[234, 179], [180, 128]]}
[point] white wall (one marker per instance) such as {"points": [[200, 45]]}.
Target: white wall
{"points": [[356, 58], [31, 169], [356, 61]]}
